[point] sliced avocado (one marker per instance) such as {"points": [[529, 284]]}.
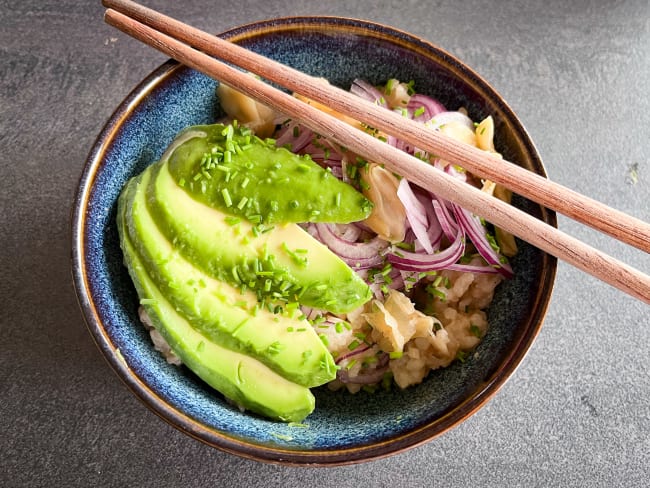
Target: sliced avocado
{"points": [[210, 241], [213, 241], [224, 314], [232, 170], [241, 378]]}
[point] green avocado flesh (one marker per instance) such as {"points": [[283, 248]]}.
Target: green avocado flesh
{"points": [[223, 288], [260, 182], [241, 378]]}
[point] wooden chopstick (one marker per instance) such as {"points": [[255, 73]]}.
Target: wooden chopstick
{"points": [[509, 218], [521, 181]]}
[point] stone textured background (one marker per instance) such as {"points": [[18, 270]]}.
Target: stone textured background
{"points": [[576, 413]]}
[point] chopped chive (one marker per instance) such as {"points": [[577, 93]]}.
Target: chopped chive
{"points": [[350, 364], [353, 345], [242, 202], [275, 348], [226, 197]]}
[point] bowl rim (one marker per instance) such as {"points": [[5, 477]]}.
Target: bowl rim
{"points": [[274, 454]]}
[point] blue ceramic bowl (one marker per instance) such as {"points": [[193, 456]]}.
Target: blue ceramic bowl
{"points": [[344, 428]]}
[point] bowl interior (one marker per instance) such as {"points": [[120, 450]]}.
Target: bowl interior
{"points": [[344, 428]]}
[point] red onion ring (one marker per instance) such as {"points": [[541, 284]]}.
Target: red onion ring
{"points": [[415, 213], [428, 107], [410, 261], [359, 255], [366, 376], [447, 223], [365, 90], [477, 233]]}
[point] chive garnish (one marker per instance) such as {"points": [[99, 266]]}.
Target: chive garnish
{"points": [[226, 197], [353, 345], [242, 202]]}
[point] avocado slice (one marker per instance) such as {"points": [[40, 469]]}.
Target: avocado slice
{"points": [[224, 314], [226, 167], [239, 377], [210, 239]]}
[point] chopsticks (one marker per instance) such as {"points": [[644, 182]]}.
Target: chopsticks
{"points": [[141, 23]]}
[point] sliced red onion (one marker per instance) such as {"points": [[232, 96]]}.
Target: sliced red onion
{"points": [[456, 172], [430, 218], [422, 108], [309, 312], [365, 90], [376, 290], [363, 347], [337, 171], [415, 213], [442, 118], [358, 255], [347, 232], [409, 278], [447, 223], [296, 135], [367, 376], [397, 282], [434, 231], [477, 233], [322, 149], [410, 261]]}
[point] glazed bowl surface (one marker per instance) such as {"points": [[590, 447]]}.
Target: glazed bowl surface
{"points": [[344, 428]]}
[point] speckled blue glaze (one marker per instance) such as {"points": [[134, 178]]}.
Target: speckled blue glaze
{"points": [[344, 428]]}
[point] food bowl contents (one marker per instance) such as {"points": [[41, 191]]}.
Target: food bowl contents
{"points": [[270, 260]]}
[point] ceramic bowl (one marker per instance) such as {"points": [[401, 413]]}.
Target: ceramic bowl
{"points": [[344, 428]]}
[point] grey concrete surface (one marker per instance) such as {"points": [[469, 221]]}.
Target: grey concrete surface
{"points": [[577, 411]]}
